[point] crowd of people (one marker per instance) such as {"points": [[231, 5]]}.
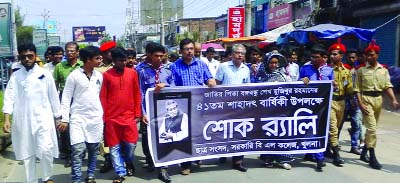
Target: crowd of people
{"points": [[92, 101]]}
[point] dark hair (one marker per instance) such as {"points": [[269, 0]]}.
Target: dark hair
{"points": [[174, 55], [89, 52], [228, 51], [352, 50], [25, 47], [52, 50], [185, 42], [157, 48], [150, 46], [131, 52], [118, 52], [319, 49], [72, 43]]}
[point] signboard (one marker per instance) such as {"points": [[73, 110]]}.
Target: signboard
{"points": [[51, 25], [236, 22], [88, 33], [39, 37], [5, 30], [196, 123], [54, 40], [279, 16]]}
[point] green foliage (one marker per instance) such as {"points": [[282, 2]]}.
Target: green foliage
{"points": [[196, 36], [1, 114], [24, 33]]}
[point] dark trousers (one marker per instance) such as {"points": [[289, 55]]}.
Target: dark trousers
{"points": [[145, 144], [235, 159], [65, 143]]}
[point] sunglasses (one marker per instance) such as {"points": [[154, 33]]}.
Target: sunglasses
{"points": [[29, 56]]}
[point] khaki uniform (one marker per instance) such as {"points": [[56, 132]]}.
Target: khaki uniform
{"points": [[344, 82], [371, 82]]}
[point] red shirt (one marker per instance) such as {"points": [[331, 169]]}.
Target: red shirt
{"points": [[120, 97]]}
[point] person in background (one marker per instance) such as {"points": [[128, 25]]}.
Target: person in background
{"points": [[293, 68], [197, 50], [86, 128], [132, 62], [173, 57], [254, 60], [212, 64], [371, 80], [351, 107], [33, 133], [56, 54], [60, 74]]}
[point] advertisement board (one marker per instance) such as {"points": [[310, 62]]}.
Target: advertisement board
{"points": [[88, 33], [5, 31], [236, 22]]}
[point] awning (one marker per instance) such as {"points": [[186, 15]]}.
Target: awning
{"points": [[326, 31], [272, 36]]}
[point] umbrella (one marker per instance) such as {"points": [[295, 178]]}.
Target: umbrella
{"points": [[216, 46], [326, 31]]}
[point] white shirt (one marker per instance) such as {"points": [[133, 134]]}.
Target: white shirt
{"points": [[229, 74], [212, 66], [32, 98], [294, 71], [86, 120], [49, 66]]}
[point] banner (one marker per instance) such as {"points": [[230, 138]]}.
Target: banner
{"points": [[279, 16], [195, 123], [236, 22], [39, 37], [5, 31], [88, 33]]}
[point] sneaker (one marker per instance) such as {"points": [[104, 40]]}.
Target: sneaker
{"points": [[90, 180], [185, 171], [285, 166]]}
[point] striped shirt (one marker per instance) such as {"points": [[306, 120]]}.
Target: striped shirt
{"points": [[194, 74]]}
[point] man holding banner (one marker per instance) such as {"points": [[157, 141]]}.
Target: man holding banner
{"points": [[231, 73], [317, 70], [153, 74], [190, 71]]}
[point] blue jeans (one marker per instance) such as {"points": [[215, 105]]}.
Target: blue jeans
{"points": [[120, 154], [356, 124], [77, 158]]}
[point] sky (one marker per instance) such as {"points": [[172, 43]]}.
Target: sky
{"points": [[109, 13]]}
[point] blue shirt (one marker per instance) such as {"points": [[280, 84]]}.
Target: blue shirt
{"points": [[147, 79], [323, 73], [228, 74], [194, 74]]}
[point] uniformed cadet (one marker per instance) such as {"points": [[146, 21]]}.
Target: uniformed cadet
{"points": [[343, 86], [153, 74], [371, 81]]}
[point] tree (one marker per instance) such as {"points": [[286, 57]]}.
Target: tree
{"points": [[106, 38], [24, 33]]}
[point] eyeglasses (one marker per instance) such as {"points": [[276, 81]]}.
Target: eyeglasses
{"points": [[29, 56], [239, 53]]}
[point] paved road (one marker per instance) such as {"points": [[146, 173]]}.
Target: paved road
{"points": [[354, 171]]}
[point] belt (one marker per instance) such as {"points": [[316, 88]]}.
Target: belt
{"points": [[372, 93], [338, 97]]}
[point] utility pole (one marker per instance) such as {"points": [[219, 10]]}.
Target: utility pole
{"points": [[248, 18], [13, 29], [45, 16], [162, 41]]}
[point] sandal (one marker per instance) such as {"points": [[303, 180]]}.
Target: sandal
{"points": [[90, 180], [119, 179]]}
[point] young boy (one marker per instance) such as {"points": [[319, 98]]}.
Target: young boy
{"points": [[81, 109]]}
